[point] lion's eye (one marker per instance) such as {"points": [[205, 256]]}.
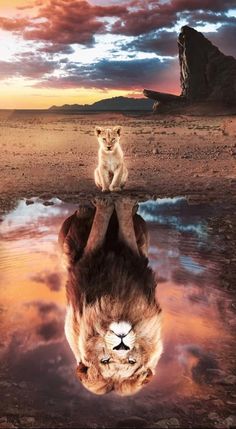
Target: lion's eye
{"points": [[132, 361], [104, 139], [105, 361]]}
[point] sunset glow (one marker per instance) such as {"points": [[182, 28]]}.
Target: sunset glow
{"points": [[79, 51]]}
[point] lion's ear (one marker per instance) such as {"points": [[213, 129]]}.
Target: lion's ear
{"points": [[117, 130], [148, 377], [97, 131], [93, 380], [82, 371]]}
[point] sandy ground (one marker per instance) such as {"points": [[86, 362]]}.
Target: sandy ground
{"points": [[55, 155]]}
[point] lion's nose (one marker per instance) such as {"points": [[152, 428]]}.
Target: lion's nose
{"points": [[121, 346]]}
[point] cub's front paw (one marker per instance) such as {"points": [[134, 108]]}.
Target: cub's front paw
{"points": [[114, 188]]}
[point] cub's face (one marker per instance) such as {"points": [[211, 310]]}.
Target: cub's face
{"points": [[108, 138], [122, 353]]}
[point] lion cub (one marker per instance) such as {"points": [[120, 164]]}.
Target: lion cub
{"points": [[111, 173]]}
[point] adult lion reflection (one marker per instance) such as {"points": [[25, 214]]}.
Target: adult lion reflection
{"points": [[113, 320]]}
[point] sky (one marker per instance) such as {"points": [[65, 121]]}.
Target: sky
{"points": [[79, 51]]}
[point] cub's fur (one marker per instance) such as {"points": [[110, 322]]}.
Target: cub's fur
{"points": [[111, 173], [107, 287]]}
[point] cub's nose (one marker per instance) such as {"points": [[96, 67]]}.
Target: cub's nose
{"points": [[108, 147]]}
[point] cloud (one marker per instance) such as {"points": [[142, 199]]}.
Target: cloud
{"points": [[202, 367], [224, 39], [52, 280], [43, 308], [200, 17], [145, 17], [60, 24], [144, 20], [28, 65], [56, 48], [211, 5], [71, 22], [113, 74], [165, 42], [183, 276], [48, 323], [35, 364], [162, 43], [50, 330], [13, 24], [78, 21]]}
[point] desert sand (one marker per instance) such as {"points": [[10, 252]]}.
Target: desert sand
{"points": [[54, 154]]}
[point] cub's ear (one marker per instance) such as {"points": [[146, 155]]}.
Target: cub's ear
{"points": [[117, 129], [97, 131]]}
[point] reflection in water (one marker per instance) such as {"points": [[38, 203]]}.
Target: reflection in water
{"points": [[113, 318], [37, 368]]}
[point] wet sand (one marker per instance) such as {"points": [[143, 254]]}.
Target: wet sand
{"points": [[51, 154]]}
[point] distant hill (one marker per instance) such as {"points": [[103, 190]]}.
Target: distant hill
{"points": [[114, 103]]}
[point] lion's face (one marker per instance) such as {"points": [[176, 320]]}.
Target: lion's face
{"points": [[119, 356], [117, 350]]}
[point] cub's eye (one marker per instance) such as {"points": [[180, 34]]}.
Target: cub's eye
{"points": [[113, 140], [105, 361], [132, 361], [104, 139]]}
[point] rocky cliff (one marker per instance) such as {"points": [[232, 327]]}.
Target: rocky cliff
{"points": [[206, 74]]}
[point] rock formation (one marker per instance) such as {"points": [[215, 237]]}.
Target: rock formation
{"points": [[206, 74]]}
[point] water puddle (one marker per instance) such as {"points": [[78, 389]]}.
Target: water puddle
{"points": [[190, 251]]}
